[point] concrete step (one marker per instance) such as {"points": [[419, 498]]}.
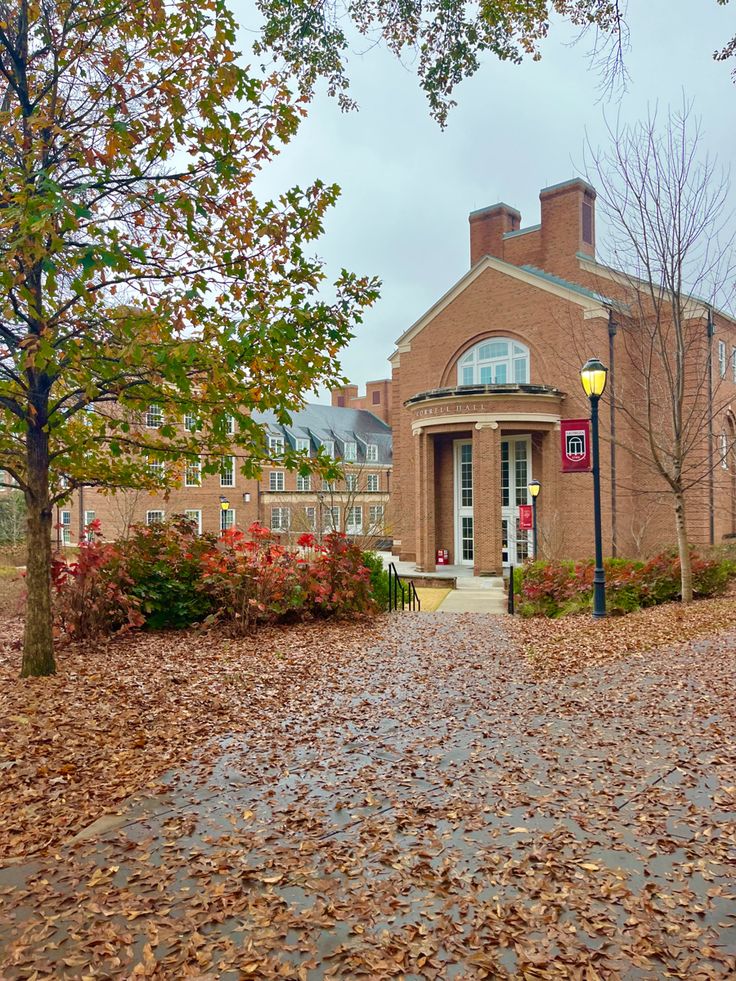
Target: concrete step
{"points": [[494, 583], [474, 601]]}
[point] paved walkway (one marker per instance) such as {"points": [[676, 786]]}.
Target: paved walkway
{"points": [[435, 813], [475, 595]]}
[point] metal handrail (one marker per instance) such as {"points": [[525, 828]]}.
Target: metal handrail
{"points": [[511, 591], [396, 588]]}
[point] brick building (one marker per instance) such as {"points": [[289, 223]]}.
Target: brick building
{"points": [[280, 499], [481, 382]]}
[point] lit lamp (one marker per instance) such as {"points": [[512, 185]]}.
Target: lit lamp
{"points": [[594, 376], [224, 508], [534, 487]]}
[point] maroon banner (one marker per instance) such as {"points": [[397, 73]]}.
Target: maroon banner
{"points": [[526, 521], [575, 435]]}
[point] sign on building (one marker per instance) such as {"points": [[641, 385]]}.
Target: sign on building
{"points": [[575, 435]]}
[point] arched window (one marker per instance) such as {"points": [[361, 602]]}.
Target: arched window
{"points": [[498, 361]]}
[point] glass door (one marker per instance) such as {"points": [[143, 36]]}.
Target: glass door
{"points": [[516, 463], [464, 502]]}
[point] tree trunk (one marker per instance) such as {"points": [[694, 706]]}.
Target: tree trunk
{"points": [[683, 548], [38, 643]]}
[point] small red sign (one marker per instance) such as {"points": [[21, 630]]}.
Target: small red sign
{"points": [[526, 519], [442, 557], [575, 435]]}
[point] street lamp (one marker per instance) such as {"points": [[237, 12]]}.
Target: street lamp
{"points": [[224, 508], [594, 376], [534, 488]]}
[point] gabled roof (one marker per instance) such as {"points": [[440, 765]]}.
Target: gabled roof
{"points": [[594, 304], [321, 423]]}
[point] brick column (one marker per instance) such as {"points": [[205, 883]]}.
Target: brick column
{"points": [[551, 543], [425, 503], [487, 500]]}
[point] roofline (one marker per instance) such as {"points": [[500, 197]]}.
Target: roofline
{"points": [[499, 206], [616, 275], [521, 231], [593, 307], [570, 183]]}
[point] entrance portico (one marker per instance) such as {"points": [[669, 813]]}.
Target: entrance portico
{"points": [[476, 448]]}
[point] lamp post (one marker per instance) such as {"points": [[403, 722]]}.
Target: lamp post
{"points": [[534, 488], [593, 376], [224, 508]]}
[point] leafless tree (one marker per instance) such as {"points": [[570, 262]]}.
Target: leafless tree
{"points": [[666, 205]]}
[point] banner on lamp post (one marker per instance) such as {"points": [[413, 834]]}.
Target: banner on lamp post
{"points": [[575, 435], [526, 520]]}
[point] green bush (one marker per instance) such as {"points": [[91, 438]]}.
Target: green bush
{"points": [[378, 579]]}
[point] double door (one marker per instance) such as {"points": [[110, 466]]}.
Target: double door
{"points": [[516, 472]]}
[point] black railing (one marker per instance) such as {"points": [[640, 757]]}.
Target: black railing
{"points": [[511, 590], [401, 592]]}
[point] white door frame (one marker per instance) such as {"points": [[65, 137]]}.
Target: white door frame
{"points": [[510, 513], [461, 511]]}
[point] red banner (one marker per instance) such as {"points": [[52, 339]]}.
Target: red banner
{"points": [[526, 520], [575, 435]]}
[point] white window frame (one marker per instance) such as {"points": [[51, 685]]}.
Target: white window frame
{"points": [[156, 413], [230, 424], [303, 444], [191, 467], [190, 422], [724, 451], [371, 452], [334, 514], [351, 482], [303, 483], [329, 448], [158, 521], [276, 481], [310, 513], [227, 519], [276, 445], [227, 479], [278, 513], [376, 517], [157, 468], [733, 364], [87, 522], [351, 451], [351, 526], [722, 358], [373, 483], [478, 361], [65, 520], [195, 514], [328, 486]]}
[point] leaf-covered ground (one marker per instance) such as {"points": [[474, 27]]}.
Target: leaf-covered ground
{"points": [[410, 799]]}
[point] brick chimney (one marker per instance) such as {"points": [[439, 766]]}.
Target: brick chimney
{"points": [[568, 223], [487, 228]]}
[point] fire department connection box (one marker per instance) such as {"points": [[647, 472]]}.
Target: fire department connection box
{"points": [[442, 556]]}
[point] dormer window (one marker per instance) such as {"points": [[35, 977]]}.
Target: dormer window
{"points": [[499, 361]]}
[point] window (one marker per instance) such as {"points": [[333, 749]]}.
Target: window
{"points": [[276, 445], [66, 527], [371, 452], [276, 480], [157, 468], [351, 451], [89, 517], [373, 482], [724, 451], [375, 513], [193, 473], [310, 514], [302, 444], [733, 364], [227, 519], [195, 515], [279, 519], [190, 422], [227, 471], [722, 358], [587, 222], [495, 362], [154, 517], [331, 519], [329, 448], [229, 424], [376, 398], [328, 486], [341, 401], [351, 482], [303, 483], [154, 417], [354, 520]]}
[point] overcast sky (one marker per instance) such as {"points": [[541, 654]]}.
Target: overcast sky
{"points": [[408, 186]]}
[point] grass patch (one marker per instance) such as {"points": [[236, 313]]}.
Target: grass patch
{"points": [[431, 598]]}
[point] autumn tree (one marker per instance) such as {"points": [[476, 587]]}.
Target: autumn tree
{"points": [[670, 241], [139, 272]]}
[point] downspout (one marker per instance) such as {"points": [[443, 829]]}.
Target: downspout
{"points": [[710, 328], [81, 512], [612, 328]]}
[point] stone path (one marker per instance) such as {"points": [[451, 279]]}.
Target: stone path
{"points": [[437, 814], [476, 596]]}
